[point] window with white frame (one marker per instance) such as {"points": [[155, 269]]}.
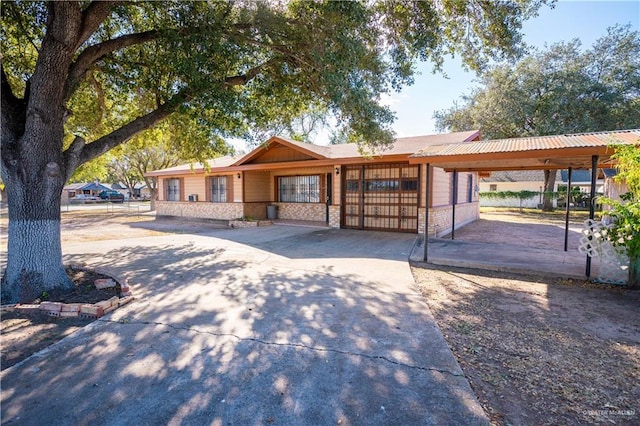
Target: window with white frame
{"points": [[173, 189], [299, 189], [218, 189]]}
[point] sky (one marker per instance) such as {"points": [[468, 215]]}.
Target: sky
{"points": [[586, 20]]}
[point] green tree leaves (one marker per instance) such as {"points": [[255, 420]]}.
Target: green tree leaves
{"points": [[625, 228], [244, 66], [559, 90]]}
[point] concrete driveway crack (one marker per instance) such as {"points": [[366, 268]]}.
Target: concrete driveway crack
{"points": [[291, 345]]}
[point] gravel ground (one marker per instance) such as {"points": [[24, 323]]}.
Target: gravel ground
{"points": [[538, 350]]}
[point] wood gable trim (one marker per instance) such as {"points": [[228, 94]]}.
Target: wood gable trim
{"points": [[322, 163], [269, 144], [475, 137]]}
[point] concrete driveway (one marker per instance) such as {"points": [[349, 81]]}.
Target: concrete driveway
{"points": [[275, 325]]}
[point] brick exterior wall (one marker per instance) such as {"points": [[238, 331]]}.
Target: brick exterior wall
{"points": [[229, 211], [200, 210], [334, 216], [302, 211], [440, 218]]}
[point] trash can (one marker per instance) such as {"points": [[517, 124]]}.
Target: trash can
{"points": [[272, 212]]}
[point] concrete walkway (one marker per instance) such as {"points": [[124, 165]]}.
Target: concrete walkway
{"points": [[276, 325], [505, 258]]}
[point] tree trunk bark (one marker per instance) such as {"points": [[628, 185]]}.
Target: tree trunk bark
{"points": [[33, 165], [153, 193], [34, 255], [549, 184]]}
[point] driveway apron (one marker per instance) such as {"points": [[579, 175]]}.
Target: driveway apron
{"points": [[274, 325]]}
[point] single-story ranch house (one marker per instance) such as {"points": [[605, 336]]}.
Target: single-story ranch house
{"points": [[335, 184]]}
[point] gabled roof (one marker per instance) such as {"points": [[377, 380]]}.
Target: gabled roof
{"points": [[84, 186], [74, 186], [280, 152], [406, 146], [540, 152], [95, 186]]}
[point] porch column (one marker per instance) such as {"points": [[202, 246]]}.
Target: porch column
{"points": [[592, 204], [455, 201], [425, 256], [566, 216]]}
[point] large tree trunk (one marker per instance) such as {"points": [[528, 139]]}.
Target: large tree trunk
{"points": [[34, 260], [153, 192], [549, 186], [33, 166], [34, 175], [152, 185]]}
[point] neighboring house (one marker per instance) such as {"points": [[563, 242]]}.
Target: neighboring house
{"points": [[335, 184], [582, 180], [140, 190], [79, 190], [514, 181], [533, 180], [122, 189]]}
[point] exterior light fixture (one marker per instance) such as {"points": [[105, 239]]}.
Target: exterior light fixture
{"points": [[238, 175], [337, 170]]}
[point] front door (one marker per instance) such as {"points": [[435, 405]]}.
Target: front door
{"points": [[380, 197]]}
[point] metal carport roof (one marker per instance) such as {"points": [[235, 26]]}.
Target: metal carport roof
{"points": [[530, 153], [576, 151]]}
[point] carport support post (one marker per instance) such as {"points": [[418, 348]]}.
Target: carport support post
{"points": [[592, 204], [455, 201], [566, 216], [425, 256]]}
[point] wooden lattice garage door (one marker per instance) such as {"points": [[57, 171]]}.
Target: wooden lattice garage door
{"points": [[380, 197]]}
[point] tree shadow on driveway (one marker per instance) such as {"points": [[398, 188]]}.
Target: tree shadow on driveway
{"points": [[224, 333]]}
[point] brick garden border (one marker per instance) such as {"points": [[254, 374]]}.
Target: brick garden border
{"points": [[84, 310]]}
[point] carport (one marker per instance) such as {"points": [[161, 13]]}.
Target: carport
{"points": [[571, 152]]}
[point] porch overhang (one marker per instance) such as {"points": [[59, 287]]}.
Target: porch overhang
{"points": [[579, 158], [534, 153], [581, 151]]}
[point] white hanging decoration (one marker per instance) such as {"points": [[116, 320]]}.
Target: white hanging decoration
{"points": [[614, 263]]}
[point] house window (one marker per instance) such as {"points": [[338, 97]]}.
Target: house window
{"points": [[299, 189], [173, 189], [469, 188], [218, 189], [381, 185], [409, 184], [493, 187]]}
